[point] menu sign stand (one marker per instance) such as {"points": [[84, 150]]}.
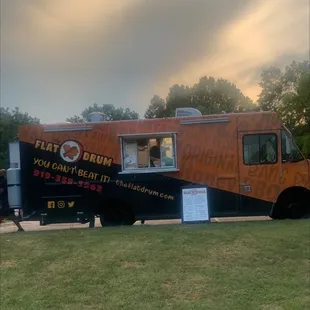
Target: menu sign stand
{"points": [[195, 207]]}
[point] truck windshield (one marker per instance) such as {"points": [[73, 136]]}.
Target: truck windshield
{"points": [[290, 151]]}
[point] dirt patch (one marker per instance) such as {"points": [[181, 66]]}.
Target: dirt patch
{"points": [[7, 264], [9, 227]]}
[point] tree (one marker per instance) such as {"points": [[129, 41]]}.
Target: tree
{"points": [[304, 144], [210, 96], [295, 106], [179, 96], [10, 120], [288, 94], [271, 89], [220, 96], [108, 109], [157, 108]]}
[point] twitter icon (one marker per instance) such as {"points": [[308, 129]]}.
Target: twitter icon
{"points": [[71, 204]]}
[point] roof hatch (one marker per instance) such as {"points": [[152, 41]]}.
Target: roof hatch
{"points": [[186, 112]]}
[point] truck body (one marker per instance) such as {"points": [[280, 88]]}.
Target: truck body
{"points": [[73, 172]]}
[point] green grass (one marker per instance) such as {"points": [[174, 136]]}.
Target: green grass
{"points": [[254, 265]]}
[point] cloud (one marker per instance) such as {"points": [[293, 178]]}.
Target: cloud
{"points": [[269, 33], [60, 56]]}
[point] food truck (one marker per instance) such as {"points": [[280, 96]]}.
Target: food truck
{"points": [[133, 170]]}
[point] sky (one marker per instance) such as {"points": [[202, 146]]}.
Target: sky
{"points": [[60, 56]]}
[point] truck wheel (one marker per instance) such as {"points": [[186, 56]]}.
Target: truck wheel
{"points": [[297, 210], [279, 213], [116, 216], [291, 210], [292, 204]]}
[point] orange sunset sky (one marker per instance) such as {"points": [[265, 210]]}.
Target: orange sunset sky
{"points": [[60, 56]]}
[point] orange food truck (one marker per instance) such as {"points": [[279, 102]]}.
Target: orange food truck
{"points": [[124, 171]]}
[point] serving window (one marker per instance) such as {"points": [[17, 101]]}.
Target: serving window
{"points": [[149, 153]]}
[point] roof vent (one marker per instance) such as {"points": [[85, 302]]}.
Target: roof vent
{"points": [[185, 112], [96, 117]]}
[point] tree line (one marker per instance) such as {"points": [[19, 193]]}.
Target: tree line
{"points": [[286, 92]]}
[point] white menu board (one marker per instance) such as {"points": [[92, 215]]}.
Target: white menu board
{"points": [[195, 204]]}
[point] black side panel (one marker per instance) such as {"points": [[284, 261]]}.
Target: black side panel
{"points": [[151, 196], [252, 206]]}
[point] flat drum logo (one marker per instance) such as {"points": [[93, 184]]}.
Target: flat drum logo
{"points": [[194, 192], [71, 151]]}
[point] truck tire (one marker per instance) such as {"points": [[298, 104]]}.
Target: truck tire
{"points": [[291, 210], [297, 210], [292, 204], [116, 216]]}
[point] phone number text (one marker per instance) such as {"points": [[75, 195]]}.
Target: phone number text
{"points": [[65, 180]]}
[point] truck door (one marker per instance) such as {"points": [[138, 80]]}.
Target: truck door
{"points": [[259, 171]]}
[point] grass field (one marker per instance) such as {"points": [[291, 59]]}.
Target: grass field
{"points": [[256, 265]]}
